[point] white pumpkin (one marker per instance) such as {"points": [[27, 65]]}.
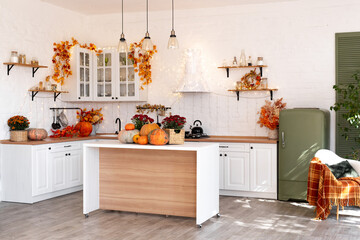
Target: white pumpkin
{"points": [[125, 136]]}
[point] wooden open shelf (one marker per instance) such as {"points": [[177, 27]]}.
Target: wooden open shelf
{"points": [[271, 90], [56, 93], [10, 65], [232, 67]]}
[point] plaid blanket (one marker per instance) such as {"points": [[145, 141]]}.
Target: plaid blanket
{"points": [[325, 191]]}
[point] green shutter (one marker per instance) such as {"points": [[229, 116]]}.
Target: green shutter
{"points": [[347, 63]]}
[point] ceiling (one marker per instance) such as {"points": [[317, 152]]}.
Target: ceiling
{"points": [[93, 7]]}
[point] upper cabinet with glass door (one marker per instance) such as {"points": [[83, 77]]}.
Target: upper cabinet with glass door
{"points": [[104, 73], [128, 87], [79, 84]]}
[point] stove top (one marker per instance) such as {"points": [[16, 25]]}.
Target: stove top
{"points": [[189, 135]]}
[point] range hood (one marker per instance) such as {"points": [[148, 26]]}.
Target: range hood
{"points": [[193, 81]]}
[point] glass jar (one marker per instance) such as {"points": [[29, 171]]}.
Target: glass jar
{"points": [[264, 83], [14, 58], [249, 61], [260, 61], [242, 58]]}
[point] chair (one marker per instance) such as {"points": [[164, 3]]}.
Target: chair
{"points": [[325, 191]]}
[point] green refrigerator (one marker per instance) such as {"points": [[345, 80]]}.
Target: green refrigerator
{"points": [[302, 132]]}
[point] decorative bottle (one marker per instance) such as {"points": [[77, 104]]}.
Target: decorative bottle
{"points": [[242, 58], [234, 62], [249, 61]]}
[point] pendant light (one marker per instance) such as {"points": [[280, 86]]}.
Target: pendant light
{"points": [[173, 42], [147, 44], [122, 47]]}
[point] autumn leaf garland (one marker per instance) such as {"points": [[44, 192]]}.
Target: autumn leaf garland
{"points": [[61, 58]]}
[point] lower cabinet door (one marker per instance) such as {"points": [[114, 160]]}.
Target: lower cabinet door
{"points": [[75, 168], [236, 171], [263, 168], [41, 171], [59, 160]]}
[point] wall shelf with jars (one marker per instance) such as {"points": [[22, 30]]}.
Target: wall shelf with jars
{"points": [[232, 67], [56, 93], [108, 76], [34, 67], [270, 90]]}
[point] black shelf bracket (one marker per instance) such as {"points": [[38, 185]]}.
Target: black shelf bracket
{"points": [[56, 95], [34, 69], [270, 91], [261, 71], [227, 72], [9, 67], [33, 94], [271, 94], [238, 95]]}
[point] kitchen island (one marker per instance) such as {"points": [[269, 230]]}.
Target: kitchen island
{"points": [[178, 180]]}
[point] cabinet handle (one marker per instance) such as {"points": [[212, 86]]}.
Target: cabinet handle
{"points": [[220, 155], [225, 155], [251, 147], [69, 154], [67, 146], [112, 98], [79, 97], [116, 98], [65, 154], [223, 146], [49, 148], [283, 139]]}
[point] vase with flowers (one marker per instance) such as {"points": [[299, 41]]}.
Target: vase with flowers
{"points": [[18, 125], [94, 117], [140, 120], [269, 117], [173, 126]]}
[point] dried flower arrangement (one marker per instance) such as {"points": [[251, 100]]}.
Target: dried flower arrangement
{"points": [[147, 108], [69, 131], [140, 120], [93, 116], [269, 113], [141, 62], [61, 58], [18, 123], [174, 122], [251, 80]]}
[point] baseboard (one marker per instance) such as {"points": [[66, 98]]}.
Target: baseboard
{"points": [[248, 194]]}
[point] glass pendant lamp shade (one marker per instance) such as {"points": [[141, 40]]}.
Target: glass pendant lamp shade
{"points": [[147, 43], [122, 47], [173, 42]]}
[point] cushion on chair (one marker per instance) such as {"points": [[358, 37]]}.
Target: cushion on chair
{"points": [[342, 169], [356, 165]]}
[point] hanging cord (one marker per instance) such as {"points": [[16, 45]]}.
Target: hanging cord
{"points": [[147, 16], [173, 15], [122, 16]]}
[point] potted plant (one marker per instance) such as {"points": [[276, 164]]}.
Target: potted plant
{"points": [[17, 125], [94, 117], [173, 126], [140, 120], [269, 117]]}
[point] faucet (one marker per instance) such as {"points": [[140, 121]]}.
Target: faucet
{"points": [[116, 121]]}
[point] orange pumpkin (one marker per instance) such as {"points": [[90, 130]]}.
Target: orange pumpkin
{"points": [[84, 129], [158, 137], [37, 134], [143, 140], [129, 127], [147, 128], [136, 138]]}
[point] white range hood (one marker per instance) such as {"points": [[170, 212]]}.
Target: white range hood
{"points": [[193, 81]]}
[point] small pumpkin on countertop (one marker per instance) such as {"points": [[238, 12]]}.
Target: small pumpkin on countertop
{"points": [[37, 134], [136, 138], [158, 137], [129, 127], [143, 140], [84, 128], [147, 128], [125, 136]]}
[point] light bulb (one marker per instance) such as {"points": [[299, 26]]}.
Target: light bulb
{"points": [[147, 43], [122, 47], [173, 42]]}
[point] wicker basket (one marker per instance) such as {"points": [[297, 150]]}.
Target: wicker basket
{"points": [[176, 138], [18, 136]]}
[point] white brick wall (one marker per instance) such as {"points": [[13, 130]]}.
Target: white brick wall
{"points": [[295, 38]]}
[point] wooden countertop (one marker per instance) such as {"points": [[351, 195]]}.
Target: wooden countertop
{"points": [[233, 139], [229, 139]]}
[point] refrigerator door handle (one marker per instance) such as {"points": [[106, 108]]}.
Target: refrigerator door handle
{"points": [[283, 139]]}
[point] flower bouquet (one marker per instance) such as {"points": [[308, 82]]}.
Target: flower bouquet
{"points": [[269, 116], [17, 125], [140, 120]]}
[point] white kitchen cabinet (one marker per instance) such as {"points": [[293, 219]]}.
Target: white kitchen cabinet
{"points": [[80, 83], [263, 168], [248, 170], [41, 171], [109, 76], [236, 171], [32, 173]]}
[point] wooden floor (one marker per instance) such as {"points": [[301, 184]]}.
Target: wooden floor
{"points": [[242, 218]]}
